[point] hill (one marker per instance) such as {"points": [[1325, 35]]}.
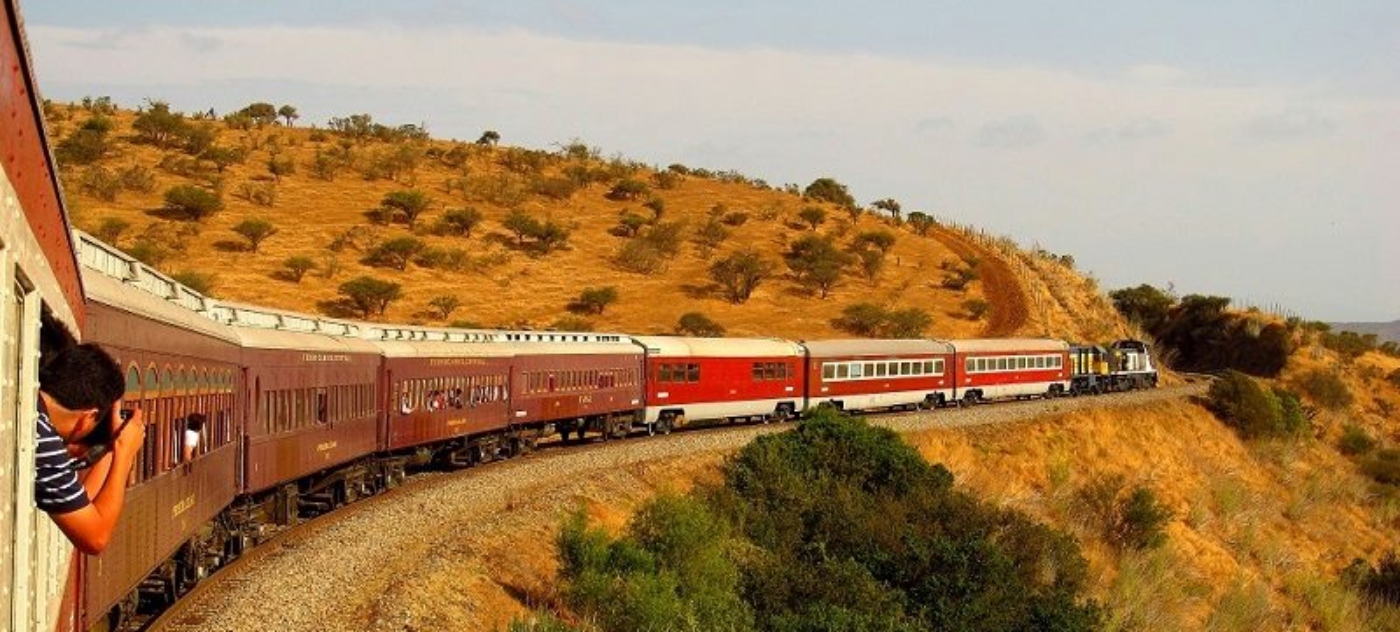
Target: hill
{"points": [[337, 197], [1385, 332]]}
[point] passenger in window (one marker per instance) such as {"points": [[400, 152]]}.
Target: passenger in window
{"points": [[82, 425], [194, 429], [405, 403]]}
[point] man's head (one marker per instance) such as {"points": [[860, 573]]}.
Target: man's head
{"points": [[85, 381], [195, 422]]}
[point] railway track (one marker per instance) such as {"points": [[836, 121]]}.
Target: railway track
{"points": [[360, 551]]}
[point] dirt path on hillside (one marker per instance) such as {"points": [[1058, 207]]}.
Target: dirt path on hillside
{"points": [[1009, 307]]}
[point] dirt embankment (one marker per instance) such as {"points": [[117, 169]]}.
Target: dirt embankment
{"points": [[1009, 309]]}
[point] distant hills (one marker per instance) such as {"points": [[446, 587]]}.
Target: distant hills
{"points": [[1385, 332]]}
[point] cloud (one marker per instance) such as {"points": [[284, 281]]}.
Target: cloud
{"points": [[1289, 124], [934, 125], [1018, 131], [1136, 129], [1157, 73]]}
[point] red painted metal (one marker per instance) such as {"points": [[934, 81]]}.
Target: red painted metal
{"points": [[722, 380], [24, 153]]}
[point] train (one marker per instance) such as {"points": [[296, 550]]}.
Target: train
{"points": [[305, 413]]}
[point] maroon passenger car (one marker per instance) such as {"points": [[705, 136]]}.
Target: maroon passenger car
{"points": [[177, 362], [310, 384], [445, 394], [574, 382]]}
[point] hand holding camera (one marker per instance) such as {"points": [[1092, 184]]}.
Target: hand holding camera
{"points": [[129, 429]]}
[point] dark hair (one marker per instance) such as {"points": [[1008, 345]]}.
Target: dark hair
{"points": [[195, 422], [81, 377], [53, 336]]}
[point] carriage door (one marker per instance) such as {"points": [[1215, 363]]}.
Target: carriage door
{"points": [[10, 382]]}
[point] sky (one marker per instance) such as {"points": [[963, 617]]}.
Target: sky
{"points": [[1244, 148]]}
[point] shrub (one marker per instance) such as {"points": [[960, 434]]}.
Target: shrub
{"points": [[1135, 520], [1381, 582], [100, 183], [1326, 388], [1251, 410], [812, 216], [459, 221], [1355, 441], [554, 188], [444, 305], [871, 261], [395, 253], [741, 273], [666, 179], [629, 225], [137, 178], [976, 308], [198, 281], [1383, 466], [882, 239], [111, 229], [409, 202], [571, 323], [452, 259], [922, 223], [192, 202], [1348, 344], [710, 236], [1393, 378], [816, 263], [657, 207], [698, 324], [829, 190], [296, 267], [593, 300], [255, 230], [735, 218], [628, 189], [641, 257], [370, 295]]}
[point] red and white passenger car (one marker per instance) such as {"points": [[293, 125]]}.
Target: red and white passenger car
{"points": [[690, 379], [1013, 367]]}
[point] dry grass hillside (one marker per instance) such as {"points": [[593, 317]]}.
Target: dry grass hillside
{"points": [[326, 181]]}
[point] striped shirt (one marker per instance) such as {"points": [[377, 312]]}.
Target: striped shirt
{"points": [[56, 486]]}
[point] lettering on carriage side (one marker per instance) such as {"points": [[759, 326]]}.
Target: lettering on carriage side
{"points": [[456, 362], [326, 446], [585, 399], [324, 357], [453, 423], [181, 507]]}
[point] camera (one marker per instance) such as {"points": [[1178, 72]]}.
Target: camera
{"points": [[103, 434]]}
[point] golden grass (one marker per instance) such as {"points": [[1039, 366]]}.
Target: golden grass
{"points": [[520, 290]]}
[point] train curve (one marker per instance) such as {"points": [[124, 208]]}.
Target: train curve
{"points": [[373, 564]]}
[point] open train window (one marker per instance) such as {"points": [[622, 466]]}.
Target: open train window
{"points": [[692, 373]]}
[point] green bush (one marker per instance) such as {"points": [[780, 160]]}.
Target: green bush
{"points": [[698, 324], [1355, 441], [1383, 466], [593, 300], [1253, 411], [192, 202], [1326, 388], [1133, 520], [1381, 582]]}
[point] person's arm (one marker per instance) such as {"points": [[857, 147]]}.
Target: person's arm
{"points": [[90, 528]]}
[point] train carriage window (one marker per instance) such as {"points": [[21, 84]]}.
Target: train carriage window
{"points": [[927, 366], [938, 367], [693, 373], [843, 371], [828, 371], [322, 406], [757, 371], [906, 368], [881, 369]]}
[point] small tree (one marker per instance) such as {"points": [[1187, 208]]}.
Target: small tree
{"points": [[741, 273], [460, 221], [444, 305], [829, 190], [296, 267], [521, 224], [222, 157], [396, 252], [256, 230], [976, 308], [921, 222], [288, 114], [594, 300], [862, 319], [281, 167], [410, 203], [551, 236], [628, 189], [881, 239], [192, 202], [816, 263], [890, 206], [370, 295], [905, 323], [871, 262], [489, 138], [698, 324], [710, 235], [629, 225], [813, 216]]}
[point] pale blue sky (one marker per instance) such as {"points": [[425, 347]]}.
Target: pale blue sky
{"points": [[1242, 148]]}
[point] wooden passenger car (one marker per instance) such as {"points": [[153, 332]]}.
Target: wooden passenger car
{"points": [[574, 382], [1013, 367], [721, 378], [177, 362], [310, 384], [863, 374], [445, 392]]}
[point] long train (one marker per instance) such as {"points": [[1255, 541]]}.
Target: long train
{"points": [[307, 413]]}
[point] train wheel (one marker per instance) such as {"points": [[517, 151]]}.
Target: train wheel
{"points": [[667, 423]]}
